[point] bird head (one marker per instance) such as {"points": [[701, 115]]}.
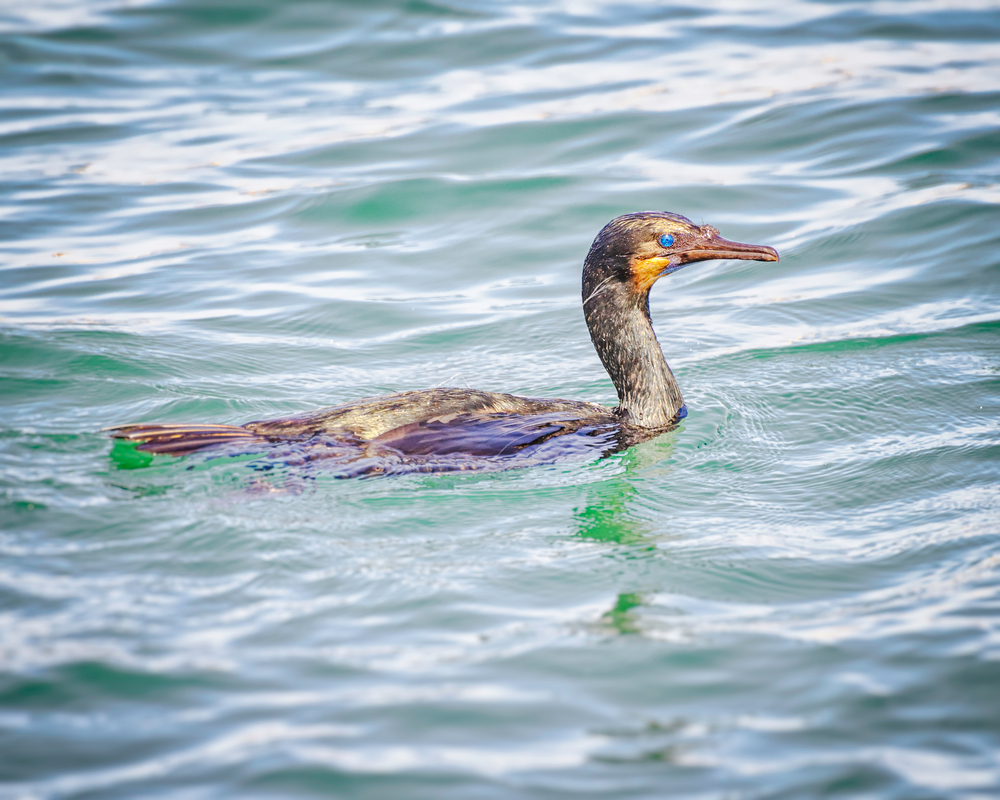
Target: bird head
{"points": [[640, 248]]}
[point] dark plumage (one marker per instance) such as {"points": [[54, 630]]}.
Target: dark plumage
{"points": [[420, 427]]}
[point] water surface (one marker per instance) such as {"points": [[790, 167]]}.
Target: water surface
{"points": [[236, 210]]}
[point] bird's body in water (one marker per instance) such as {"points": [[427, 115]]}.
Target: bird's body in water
{"points": [[449, 428]]}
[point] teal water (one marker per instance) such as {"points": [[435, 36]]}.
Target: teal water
{"points": [[232, 210]]}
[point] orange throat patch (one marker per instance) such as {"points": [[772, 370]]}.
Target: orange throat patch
{"points": [[645, 271]]}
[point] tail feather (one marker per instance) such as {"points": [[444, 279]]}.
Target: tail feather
{"points": [[180, 440]]}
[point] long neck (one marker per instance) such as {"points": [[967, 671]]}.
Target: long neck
{"points": [[622, 332]]}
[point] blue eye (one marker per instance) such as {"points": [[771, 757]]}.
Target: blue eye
{"points": [[666, 240]]}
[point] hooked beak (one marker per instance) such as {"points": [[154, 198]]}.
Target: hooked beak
{"points": [[710, 245]]}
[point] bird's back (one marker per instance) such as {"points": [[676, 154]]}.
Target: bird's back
{"points": [[372, 417], [453, 424]]}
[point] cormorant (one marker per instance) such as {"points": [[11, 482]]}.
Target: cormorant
{"points": [[448, 428]]}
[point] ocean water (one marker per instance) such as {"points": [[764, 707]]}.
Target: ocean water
{"points": [[222, 211]]}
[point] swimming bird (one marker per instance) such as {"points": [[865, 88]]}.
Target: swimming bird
{"points": [[426, 427]]}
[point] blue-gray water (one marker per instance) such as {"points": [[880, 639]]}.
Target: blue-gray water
{"points": [[223, 211]]}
